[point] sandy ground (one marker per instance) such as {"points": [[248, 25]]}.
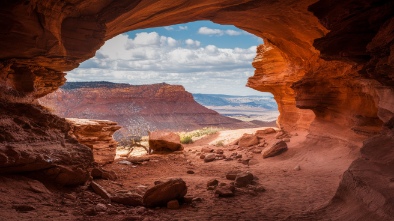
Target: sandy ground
{"points": [[288, 191]]}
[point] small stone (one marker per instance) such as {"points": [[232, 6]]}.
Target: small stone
{"points": [[231, 175], [173, 204], [197, 199], [297, 168], [90, 212], [248, 140], [222, 184], [100, 207], [257, 150], [206, 150], [157, 182], [286, 140], [202, 156], [262, 133], [130, 199], [210, 157], [211, 187], [225, 191], [23, 208], [213, 182], [70, 196], [219, 151], [124, 162], [99, 190], [243, 179], [190, 172]]}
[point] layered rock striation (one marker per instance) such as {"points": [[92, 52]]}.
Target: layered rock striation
{"points": [[138, 109], [328, 63], [96, 134]]}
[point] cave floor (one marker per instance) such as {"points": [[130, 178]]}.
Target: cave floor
{"points": [[289, 191]]}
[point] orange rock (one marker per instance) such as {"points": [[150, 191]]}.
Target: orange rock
{"points": [[164, 141]]}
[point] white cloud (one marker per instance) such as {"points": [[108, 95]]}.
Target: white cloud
{"points": [[191, 42], [209, 31], [232, 32], [219, 32], [182, 27], [168, 28], [150, 58]]}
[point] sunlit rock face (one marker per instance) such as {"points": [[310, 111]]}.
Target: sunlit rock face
{"points": [[328, 63]]}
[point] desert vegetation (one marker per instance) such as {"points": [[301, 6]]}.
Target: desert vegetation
{"points": [[189, 137]]}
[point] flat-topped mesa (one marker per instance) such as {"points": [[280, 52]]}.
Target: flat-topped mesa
{"points": [[96, 134], [137, 108]]}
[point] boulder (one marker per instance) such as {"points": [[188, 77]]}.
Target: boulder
{"points": [[243, 179], [164, 141], [248, 140], [276, 149], [162, 193], [261, 133], [96, 134]]}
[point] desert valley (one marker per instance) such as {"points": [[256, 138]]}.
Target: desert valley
{"points": [[113, 151]]}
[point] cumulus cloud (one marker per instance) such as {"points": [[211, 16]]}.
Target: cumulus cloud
{"points": [[151, 58], [218, 32]]}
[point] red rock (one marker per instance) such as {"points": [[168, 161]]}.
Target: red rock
{"points": [[99, 190], [262, 133], [162, 193], [164, 141], [96, 134], [276, 149], [173, 204], [131, 199], [248, 140]]}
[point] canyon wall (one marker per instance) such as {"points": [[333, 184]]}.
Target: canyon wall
{"points": [[137, 109], [329, 64]]}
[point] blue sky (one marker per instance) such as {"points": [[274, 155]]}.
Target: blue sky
{"points": [[202, 56]]}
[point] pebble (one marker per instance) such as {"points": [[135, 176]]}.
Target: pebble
{"points": [[173, 204], [124, 162], [100, 207], [190, 172], [297, 168], [210, 157]]}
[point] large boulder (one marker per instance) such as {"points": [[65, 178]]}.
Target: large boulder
{"points": [[261, 133], [248, 140], [276, 149], [96, 134], [162, 193], [164, 141]]}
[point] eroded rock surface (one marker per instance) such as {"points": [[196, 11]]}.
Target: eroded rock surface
{"points": [[96, 134], [328, 63], [34, 140]]}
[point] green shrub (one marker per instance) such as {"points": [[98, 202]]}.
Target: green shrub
{"points": [[219, 143], [186, 139]]}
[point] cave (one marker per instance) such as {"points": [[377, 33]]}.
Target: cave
{"points": [[329, 65]]}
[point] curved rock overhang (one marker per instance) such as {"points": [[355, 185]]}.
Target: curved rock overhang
{"points": [[329, 64]]}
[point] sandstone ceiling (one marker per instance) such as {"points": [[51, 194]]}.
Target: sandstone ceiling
{"points": [[329, 64]]}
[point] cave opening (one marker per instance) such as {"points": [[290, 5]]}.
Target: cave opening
{"points": [[327, 63], [212, 62]]}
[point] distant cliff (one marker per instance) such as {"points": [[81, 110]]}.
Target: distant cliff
{"points": [[136, 108]]}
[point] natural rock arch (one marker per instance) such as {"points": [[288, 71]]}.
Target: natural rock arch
{"points": [[350, 91]]}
